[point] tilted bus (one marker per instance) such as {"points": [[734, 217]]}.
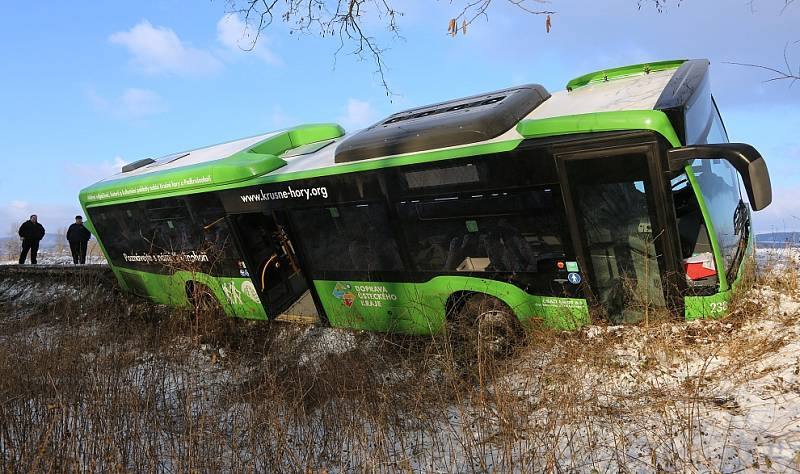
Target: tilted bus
{"points": [[618, 197]]}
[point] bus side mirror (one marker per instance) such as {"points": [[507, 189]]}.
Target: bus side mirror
{"points": [[746, 159]]}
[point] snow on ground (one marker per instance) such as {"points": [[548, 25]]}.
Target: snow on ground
{"points": [[704, 396], [25, 293], [54, 258], [728, 401], [778, 259]]}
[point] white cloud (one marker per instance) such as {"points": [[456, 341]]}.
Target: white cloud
{"points": [[159, 50], [85, 174], [280, 119], [239, 39], [133, 103], [140, 102], [357, 114]]}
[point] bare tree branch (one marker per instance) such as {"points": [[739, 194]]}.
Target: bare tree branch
{"points": [[786, 4], [788, 74], [477, 8], [660, 5], [341, 18], [346, 20]]}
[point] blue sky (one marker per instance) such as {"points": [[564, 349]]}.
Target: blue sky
{"points": [[85, 88]]}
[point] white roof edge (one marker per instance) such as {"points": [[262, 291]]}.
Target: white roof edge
{"points": [[198, 155], [631, 92]]}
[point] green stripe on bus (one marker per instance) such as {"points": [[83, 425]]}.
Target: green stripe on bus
{"points": [[634, 69], [258, 160], [378, 163], [419, 308]]}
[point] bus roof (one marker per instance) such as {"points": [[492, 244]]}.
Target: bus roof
{"points": [[626, 98], [189, 157], [640, 92]]}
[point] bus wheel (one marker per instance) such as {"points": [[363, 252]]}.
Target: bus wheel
{"points": [[492, 326]]}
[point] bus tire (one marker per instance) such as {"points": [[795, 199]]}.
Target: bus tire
{"points": [[489, 326]]}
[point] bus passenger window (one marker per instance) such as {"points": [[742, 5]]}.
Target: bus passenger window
{"points": [[500, 232], [210, 229], [134, 233], [122, 229], [353, 238]]}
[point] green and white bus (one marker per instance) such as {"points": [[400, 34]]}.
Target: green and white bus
{"points": [[615, 198]]}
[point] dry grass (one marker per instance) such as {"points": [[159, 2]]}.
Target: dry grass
{"points": [[95, 381]]}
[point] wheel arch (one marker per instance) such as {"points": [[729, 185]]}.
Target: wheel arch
{"points": [[456, 300], [191, 281], [552, 311]]}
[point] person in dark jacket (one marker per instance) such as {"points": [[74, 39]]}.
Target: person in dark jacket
{"points": [[31, 232], [78, 237]]}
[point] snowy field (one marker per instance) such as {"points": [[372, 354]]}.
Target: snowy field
{"points": [[94, 381], [776, 260], [51, 257]]}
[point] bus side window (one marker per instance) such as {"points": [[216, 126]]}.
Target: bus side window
{"points": [[121, 229], [716, 132], [486, 232], [209, 231], [167, 219], [719, 185], [353, 238], [696, 251]]}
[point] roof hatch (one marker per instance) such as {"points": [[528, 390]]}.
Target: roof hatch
{"points": [[456, 122], [137, 164]]}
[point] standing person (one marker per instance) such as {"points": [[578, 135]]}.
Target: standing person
{"points": [[31, 232], [78, 237]]}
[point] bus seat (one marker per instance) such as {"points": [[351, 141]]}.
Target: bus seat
{"points": [[458, 250], [454, 253], [496, 252]]}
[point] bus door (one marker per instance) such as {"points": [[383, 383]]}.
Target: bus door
{"points": [[272, 263], [614, 223]]}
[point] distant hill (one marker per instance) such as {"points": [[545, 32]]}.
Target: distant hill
{"points": [[778, 239]]}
